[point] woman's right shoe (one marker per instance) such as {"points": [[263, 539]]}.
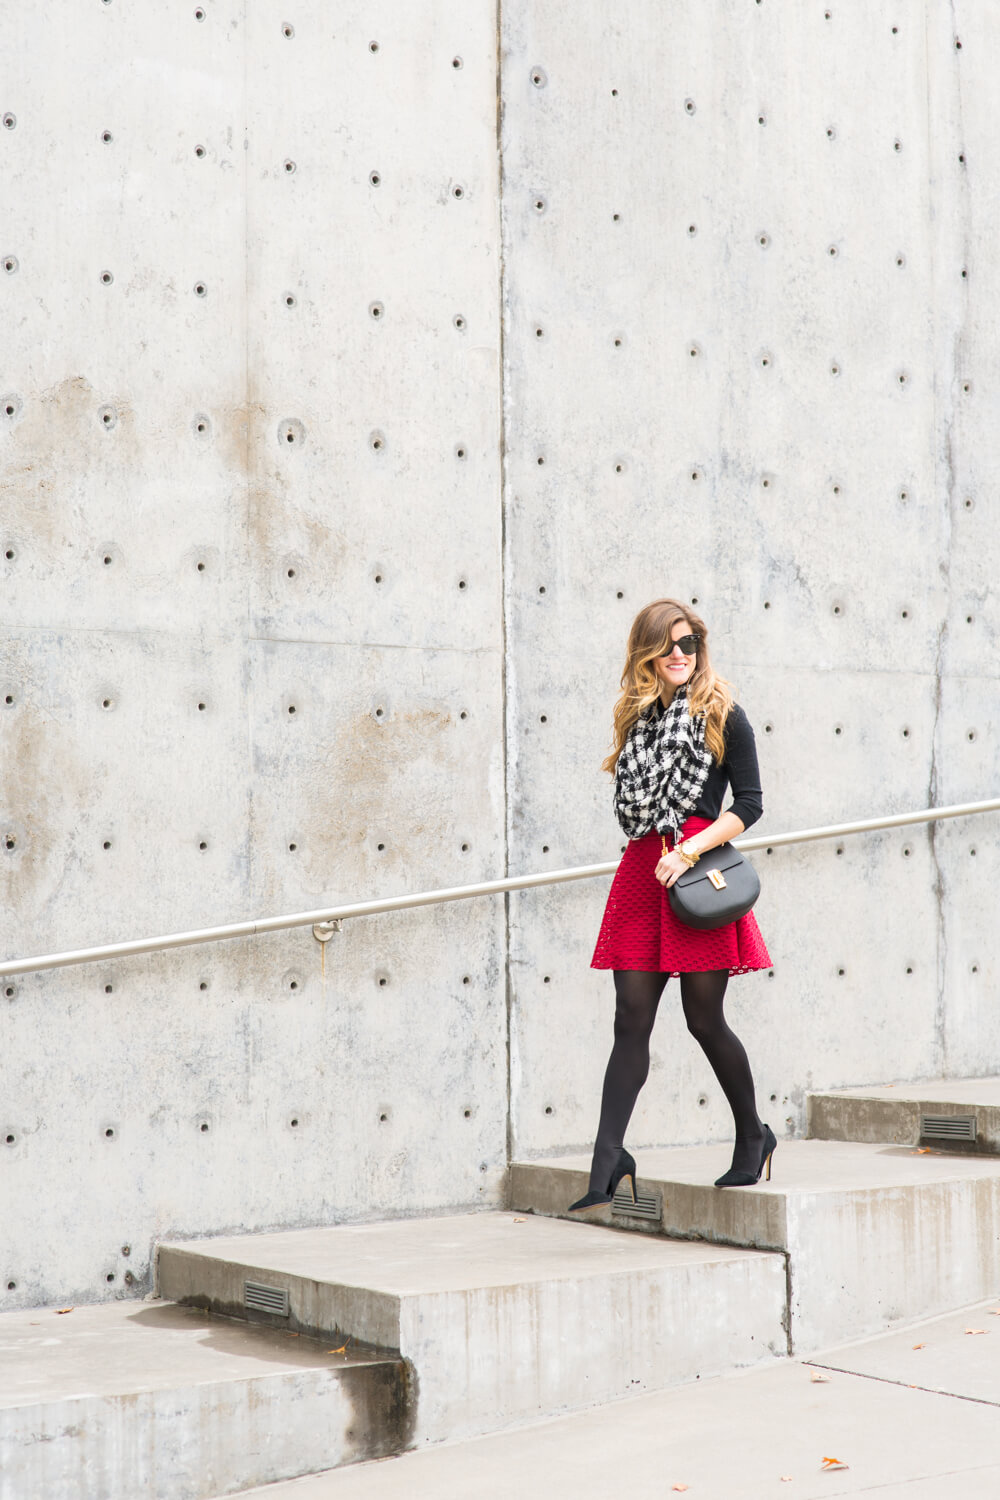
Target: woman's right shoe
{"points": [[624, 1168], [734, 1178]]}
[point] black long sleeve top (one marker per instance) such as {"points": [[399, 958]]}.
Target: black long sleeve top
{"points": [[739, 770]]}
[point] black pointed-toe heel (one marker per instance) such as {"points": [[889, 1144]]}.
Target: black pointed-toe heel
{"points": [[732, 1178], [624, 1168]]}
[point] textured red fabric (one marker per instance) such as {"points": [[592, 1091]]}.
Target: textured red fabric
{"points": [[640, 931]]}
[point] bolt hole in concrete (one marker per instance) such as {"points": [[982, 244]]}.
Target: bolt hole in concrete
{"points": [[467, 1113], [969, 504], [466, 978], [109, 417], [377, 443], [373, 46], [463, 714], [901, 261], [294, 1122], [107, 278], [10, 264], [545, 848], [763, 241], [458, 191], [546, 978], [840, 973], [202, 845], [539, 77], [457, 63], [203, 985], [907, 851], [10, 991], [106, 844], [838, 729], [548, 1109], [906, 733], [293, 984], [9, 121], [692, 230], [374, 178], [289, 299], [203, 1127], [465, 848], [12, 1286], [459, 322], [110, 1276], [201, 567], [292, 848], [702, 1101], [460, 454], [620, 594], [200, 289], [199, 14], [971, 735], [289, 165], [288, 31], [109, 1133], [768, 728], [199, 152], [109, 989], [376, 310], [543, 718], [909, 968], [9, 699]]}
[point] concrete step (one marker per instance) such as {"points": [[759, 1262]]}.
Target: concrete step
{"points": [[148, 1398], [907, 1423], [953, 1114], [505, 1317], [876, 1235]]}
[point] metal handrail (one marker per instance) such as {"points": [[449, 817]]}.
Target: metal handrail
{"points": [[326, 921]]}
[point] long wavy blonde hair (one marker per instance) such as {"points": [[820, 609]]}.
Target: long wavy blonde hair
{"points": [[650, 637]]}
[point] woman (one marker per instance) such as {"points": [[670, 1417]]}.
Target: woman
{"points": [[679, 739]]}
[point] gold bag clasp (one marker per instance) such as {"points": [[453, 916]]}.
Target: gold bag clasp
{"points": [[718, 879]]}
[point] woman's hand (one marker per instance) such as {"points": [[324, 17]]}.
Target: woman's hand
{"points": [[668, 869]]}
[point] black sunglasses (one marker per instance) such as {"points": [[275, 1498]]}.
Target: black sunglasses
{"points": [[687, 643]]}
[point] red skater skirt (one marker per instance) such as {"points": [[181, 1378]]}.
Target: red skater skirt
{"points": [[640, 931]]}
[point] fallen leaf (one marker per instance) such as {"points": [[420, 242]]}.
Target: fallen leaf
{"points": [[61, 1310], [678, 1486], [835, 1463], [994, 1312], [786, 1478], [818, 1378], [341, 1350], [920, 1346], [518, 1221], [924, 1150], [975, 1330]]}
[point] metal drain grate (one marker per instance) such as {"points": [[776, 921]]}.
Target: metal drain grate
{"points": [[647, 1206], [272, 1299], [948, 1127]]}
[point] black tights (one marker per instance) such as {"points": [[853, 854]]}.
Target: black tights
{"points": [[702, 995]]}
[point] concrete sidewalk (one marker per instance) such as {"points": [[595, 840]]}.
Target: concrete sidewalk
{"points": [[910, 1423]]}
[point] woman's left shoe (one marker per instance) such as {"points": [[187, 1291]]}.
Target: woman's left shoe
{"points": [[733, 1178], [625, 1168]]}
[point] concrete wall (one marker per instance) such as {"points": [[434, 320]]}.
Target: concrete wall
{"points": [[329, 432]]}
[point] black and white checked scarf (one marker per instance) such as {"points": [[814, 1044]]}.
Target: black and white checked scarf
{"points": [[662, 769]]}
